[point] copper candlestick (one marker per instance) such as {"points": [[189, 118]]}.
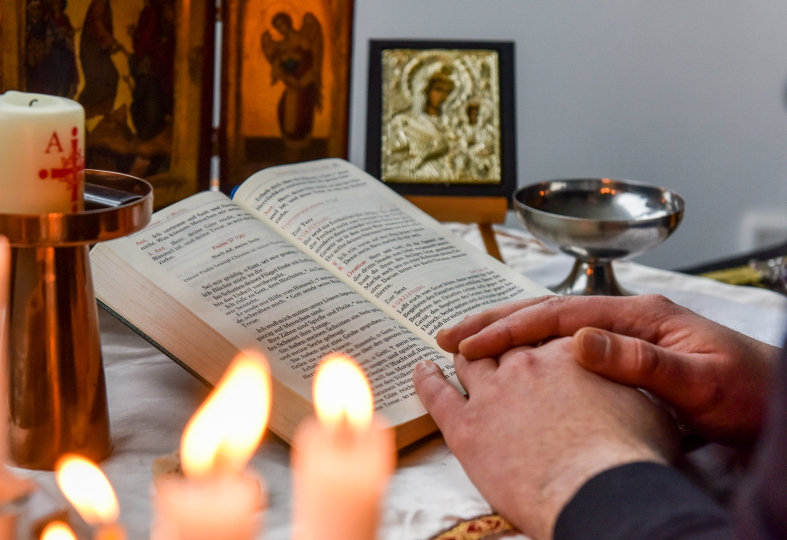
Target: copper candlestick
{"points": [[57, 393]]}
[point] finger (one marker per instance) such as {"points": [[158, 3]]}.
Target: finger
{"points": [[515, 355], [562, 316], [673, 377], [440, 399], [448, 338], [471, 374]]}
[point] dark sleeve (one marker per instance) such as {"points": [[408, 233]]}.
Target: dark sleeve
{"points": [[761, 505], [644, 500], [651, 501]]}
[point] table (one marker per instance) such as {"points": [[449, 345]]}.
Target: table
{"points": [[763, 267], [151, 399]]}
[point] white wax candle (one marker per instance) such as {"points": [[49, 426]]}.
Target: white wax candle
{"points": [[110, 531], [217, 498], [339, 478], [225, 506], [42, 153]]}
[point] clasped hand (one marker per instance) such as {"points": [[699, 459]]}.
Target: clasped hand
{"points": [[539, 421], [715, 378]]}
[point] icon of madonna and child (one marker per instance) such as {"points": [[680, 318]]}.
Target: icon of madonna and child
{"points": [[441, 117]]}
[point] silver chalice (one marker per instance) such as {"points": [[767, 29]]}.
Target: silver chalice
{"points": [[597, 221]]}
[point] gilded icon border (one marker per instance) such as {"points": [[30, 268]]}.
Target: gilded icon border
{"points": [[441, 117]]}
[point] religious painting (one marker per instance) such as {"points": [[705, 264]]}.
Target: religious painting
{"points": [[10, 43], [441, 117], [141, 69], [285, 81], [2, 42]]}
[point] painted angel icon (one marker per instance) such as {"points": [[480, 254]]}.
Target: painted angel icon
{"points": [[296, 60]]}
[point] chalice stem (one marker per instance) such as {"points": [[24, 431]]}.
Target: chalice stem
{"points": [[591, 277]]}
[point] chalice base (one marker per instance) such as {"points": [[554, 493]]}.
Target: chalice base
{"points": [[591, 277]]}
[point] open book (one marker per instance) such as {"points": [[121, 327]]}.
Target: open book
{"points": [[304, 260]]}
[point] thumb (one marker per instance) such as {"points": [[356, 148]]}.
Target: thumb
{"points": [[441, 400], [635, 362]]}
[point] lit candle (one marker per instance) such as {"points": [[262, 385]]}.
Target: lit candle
{"points": [[342, 459], [216, 498], [57, 530], [42, 150], [89, 491]]}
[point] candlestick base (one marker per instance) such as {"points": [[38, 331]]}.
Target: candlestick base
{"points": [[28, 516], [57, 391], [12, 487]]}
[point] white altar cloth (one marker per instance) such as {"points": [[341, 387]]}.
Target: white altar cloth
{"points": [[151, 398]]}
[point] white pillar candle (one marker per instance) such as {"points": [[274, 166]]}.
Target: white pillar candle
{"points": [[110, 531], [217, 497], [42, 153], [224, 505], [339, 480], [341, 460]]}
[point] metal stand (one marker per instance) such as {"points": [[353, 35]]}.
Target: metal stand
{"points": [[591, 277], [57, 393]]}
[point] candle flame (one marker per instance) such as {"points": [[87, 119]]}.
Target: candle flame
{"points": [[342, 392], [87, 488], [57, 530], [226, 430]]}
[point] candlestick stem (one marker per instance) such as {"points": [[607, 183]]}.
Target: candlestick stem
{"points": [[57, 397], [58, 393]]}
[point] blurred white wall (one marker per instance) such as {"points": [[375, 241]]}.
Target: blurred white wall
{"points": [[688, 94]]}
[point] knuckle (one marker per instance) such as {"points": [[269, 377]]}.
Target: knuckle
{"points": [[430, 389], [645, 358], [656, 301], [555, 300], [708, 391]]}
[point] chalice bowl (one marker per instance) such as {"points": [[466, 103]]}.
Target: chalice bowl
{"points": [[597, 221]]}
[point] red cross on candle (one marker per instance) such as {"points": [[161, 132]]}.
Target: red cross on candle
{"points": [[71, 170]]}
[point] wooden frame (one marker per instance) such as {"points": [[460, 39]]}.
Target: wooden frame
{"points": [[147, 113], [440, 127], [285, 83]]}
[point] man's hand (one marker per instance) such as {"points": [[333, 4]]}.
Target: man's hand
{"points": [[535, 426], [714, 378]]}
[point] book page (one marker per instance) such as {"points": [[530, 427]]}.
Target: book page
{"points": [[259, 291], [372, 238]]}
